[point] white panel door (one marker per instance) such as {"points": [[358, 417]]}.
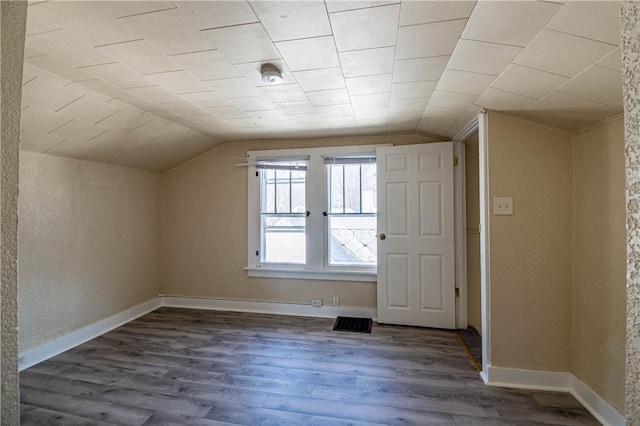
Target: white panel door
{"points": [[416, 263]]}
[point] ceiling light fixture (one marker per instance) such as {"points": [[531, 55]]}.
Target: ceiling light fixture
{"points": [[270, 74]]}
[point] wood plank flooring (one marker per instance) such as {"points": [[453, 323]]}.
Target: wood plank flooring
{"points": [[194, 367]]}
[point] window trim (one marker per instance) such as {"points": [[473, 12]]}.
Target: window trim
{"points": [[317, 267]]}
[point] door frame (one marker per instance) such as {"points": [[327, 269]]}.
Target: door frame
{"points": [[479, 123]]}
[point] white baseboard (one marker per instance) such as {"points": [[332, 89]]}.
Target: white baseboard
{"points": [[296, 309], [557, 381], [50, 349]]}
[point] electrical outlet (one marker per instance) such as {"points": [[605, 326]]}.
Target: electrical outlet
{"points": [[316, 302], [336, 301]]}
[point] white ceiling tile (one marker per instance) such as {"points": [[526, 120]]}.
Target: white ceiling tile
{"points": [[129, 8], [423, 12], [559, 108], [67, 48], [38, 142], [183, 108], [136, 105], [78, 131], [118, 75], [233, 87], [99, 86], [613, 60], [364, 114], [29, 72], [596, 20], [562, 54], [283, 92], [499, 100], [253, 103], [124, 121], [422, 69], [71, 149], [435, 126], [528, 81], [512, 23], [151, 130], [243, 43], [342, 5], [112, 138], [464, 82], [433, 112], [442, 38], [58, 68], [47, 95], [367, 62], [154, 94], [299, 107], [206, 65], [369, 84], [306, 118], [451, 100], [207, 15], [169, 31], [378, 100], [365, 28], [329, 97], [89, 110], [140, 56], [413, 90], [80, 86], [177, 82], [335, 110], [310, 53], [38, 120], [206, 99], [227, 112], [267, 116], [596, 83], [289, 20], [408, 107], [481, 57], [323, 79]]}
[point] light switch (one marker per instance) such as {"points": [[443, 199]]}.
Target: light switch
{"points": [[502, 206]]}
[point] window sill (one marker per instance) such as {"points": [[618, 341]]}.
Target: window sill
{"points": [[312, 275]]}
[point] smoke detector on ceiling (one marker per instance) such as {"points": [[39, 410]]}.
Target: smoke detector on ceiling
{"points": [[270, 74]]}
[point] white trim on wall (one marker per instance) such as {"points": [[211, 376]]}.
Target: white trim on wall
{"points": [[556, 381], [295, 309], [36, 355]]}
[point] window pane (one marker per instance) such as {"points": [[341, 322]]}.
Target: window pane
{"points": [[336, 202], [369, 196], [352, 240], [283, 191], [268, 191], [283, 239], [298, 188], [352, 188]]}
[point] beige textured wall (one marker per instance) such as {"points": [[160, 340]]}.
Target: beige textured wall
{"points": [[205, 231], [13, 16], [630, 17], [89, 244], [530, 251], [599, 261], [474, 317]]}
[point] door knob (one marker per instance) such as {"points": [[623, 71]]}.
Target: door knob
{"points": [[382, 236]]}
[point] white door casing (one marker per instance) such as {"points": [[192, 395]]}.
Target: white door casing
{"points": [[416, 255]]}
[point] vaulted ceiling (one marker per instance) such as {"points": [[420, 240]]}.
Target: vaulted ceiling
{"points": [[153, 83]]}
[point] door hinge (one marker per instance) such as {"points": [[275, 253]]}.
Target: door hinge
{"points": [[455, 161], [256, 174], [258, 253], [457, 292]]}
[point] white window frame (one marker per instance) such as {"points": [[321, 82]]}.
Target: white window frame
{"points": [[317, 267]]}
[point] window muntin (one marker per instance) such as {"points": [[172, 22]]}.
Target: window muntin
{"points": [[283, 228], [351, 225]]}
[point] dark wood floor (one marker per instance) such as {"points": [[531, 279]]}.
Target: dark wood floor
{"points": [[178, 366]]}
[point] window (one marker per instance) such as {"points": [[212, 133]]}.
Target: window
{"points": [[312, 213]]}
